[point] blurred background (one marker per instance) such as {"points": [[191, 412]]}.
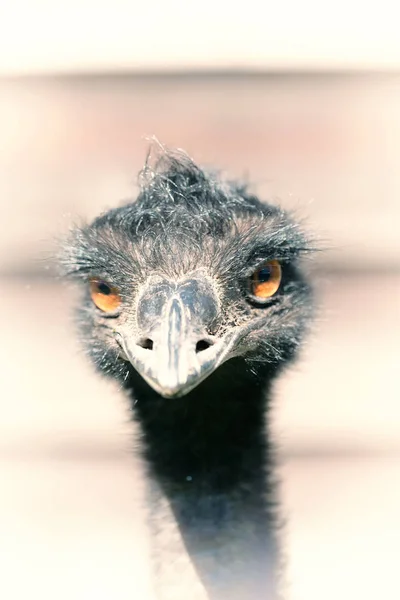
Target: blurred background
{"points": [[303, 100]]}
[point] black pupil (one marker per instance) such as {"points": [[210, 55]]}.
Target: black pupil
{"points": [[104, 288], [264, 274]]}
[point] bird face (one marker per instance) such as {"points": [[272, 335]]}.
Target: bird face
{"points": [[193, 273], [176, 321]]}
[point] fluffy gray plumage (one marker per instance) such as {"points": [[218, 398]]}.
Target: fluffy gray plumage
{"points": [[188, 223], [185, 218]]}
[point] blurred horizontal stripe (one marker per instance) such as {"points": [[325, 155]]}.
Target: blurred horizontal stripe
{"points": [[325, 146]]}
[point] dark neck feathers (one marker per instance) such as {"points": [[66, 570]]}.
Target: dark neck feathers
{"points": [[209, 457], [214, 433]]}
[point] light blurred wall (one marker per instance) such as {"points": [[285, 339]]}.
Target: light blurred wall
{"points": [[265, 92]]}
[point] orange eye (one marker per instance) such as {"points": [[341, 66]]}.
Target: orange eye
{"points": [[105, 296], [265, 282]]}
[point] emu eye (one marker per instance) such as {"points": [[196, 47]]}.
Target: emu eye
{"points": [[105, 296], [265, 282]]}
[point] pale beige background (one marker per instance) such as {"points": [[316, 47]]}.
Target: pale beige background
{"points": [[86, 35], [71, 514]]}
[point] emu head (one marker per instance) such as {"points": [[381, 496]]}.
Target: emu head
{"points": [[193, 273]]}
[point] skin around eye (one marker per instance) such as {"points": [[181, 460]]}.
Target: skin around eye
{"points": [[105, 296], [265, 282]]}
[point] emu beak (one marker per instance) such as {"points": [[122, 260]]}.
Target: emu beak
{"points": [[175, 353]]}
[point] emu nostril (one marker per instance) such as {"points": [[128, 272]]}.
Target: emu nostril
{"points": [[202, 345], [146, 343]]}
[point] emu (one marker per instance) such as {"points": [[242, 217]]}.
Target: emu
{"points": [[194, 299]]}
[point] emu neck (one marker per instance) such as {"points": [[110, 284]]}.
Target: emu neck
{"points": [[209, 461]]}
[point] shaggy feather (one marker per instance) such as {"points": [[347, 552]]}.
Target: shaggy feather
{"points": [[186, 220]]}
